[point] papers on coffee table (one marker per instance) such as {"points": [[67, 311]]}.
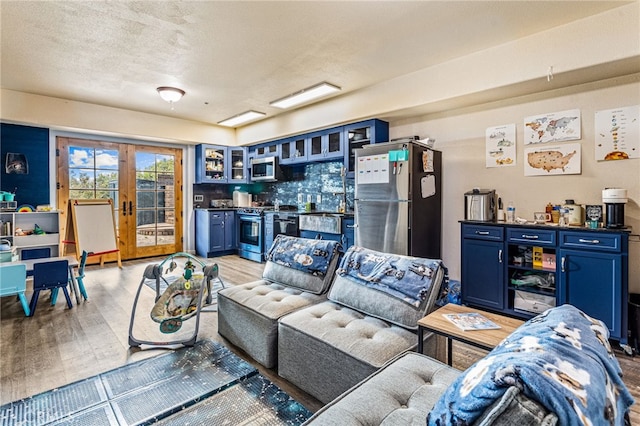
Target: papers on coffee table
{"points": [[471, 321]]}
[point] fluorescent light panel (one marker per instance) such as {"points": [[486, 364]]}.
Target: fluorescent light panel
{"points": [[242, 118], [305, 95]]}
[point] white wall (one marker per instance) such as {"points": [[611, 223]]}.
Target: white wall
{"points": [[460, 135]]}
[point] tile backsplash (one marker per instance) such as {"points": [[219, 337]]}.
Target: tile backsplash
{"points": [[313, 179]]}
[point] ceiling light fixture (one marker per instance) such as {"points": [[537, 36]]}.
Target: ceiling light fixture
{"points": [[170, 94], [306, 95], [241, 118]]}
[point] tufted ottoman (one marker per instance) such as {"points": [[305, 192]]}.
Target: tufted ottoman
{"points": [[248, 314], [327, 348], [402, 393]]}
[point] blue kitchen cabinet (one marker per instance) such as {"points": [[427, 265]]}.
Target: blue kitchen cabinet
{"points": [[294, 150], [271, 149], [348, 232], [593, 277], [357, 135], [221, 164], [326, 145], [237, 166], [346, 238], [483, 266], [215, 232], [583, 267]]}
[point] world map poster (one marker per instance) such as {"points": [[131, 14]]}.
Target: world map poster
{"points": [[618, 133], [552, 127]]}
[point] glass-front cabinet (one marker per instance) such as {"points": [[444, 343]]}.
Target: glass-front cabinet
{"points": [[326, 145], [238, 165], [294, 150], [266, 151], [221, 164], [359, 134]]}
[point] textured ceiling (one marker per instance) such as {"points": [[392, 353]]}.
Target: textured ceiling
{"points": [[234, 56]]}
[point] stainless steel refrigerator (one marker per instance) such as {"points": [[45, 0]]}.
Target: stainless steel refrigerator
{"points": [[398, 199]]}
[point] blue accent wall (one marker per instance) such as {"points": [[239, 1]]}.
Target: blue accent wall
{"points": [[33, 142]]}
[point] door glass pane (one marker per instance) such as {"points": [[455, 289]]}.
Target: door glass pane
{"points": [[93, 173], [155, 199], [146, 228]]}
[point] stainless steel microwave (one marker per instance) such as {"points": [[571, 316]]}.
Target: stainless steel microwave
{"points": [[265, 169]]}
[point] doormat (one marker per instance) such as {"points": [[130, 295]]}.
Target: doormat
{"points": [[203, 384]]}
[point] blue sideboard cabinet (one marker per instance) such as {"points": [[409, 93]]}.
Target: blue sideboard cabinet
{"points": [[215, 232], [520, 270], [221, 164]]}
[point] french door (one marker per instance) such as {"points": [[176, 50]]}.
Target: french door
{"points": [[144, 182]]}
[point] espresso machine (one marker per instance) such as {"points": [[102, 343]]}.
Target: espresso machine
{"points": [[614, 200]]}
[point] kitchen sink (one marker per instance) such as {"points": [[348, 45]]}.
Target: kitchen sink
{"points": [[330, 223]]}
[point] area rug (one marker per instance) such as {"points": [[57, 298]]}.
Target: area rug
{"points": [[204, 384]]}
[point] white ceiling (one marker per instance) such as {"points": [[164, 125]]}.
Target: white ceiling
{"points": [[235, 56]]}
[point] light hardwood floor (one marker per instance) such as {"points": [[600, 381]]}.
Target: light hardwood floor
{"points": [[59, 346]]}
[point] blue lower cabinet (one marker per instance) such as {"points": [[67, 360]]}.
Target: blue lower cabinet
{"points": [[483, 273], [522, 270], [215, 232]]}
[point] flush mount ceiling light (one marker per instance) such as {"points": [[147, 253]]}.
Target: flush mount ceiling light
{"points": [[305, 95], [170, 94], [241, 118]]}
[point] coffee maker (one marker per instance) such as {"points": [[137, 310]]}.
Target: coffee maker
{"points": [[614, 200]]}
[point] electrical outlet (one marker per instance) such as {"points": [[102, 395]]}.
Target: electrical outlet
{"points": [[198, 198], [318, 199], [299, 198], [308, 198]]}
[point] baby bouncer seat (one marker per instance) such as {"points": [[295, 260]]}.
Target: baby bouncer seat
{"points": [[181, 293]]}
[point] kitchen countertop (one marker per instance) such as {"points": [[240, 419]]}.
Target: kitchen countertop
{"points": [[348, 214], [546, 226]]}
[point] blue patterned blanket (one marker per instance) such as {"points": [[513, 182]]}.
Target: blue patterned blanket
{"points": [[404, 277], [303, 254], [560, 358]]}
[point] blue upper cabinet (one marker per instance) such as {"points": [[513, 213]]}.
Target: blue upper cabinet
{"points": [[294, 150], [221, 164], [326, 145], [270, 150], [357, 135], [238, 165]]}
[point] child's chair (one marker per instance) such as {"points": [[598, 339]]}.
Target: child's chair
{"points": [[35, 253], [79, 279], [50, 276], [80, 276], [13, 279]]}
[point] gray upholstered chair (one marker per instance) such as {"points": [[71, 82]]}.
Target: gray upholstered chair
{"points": [[248, 314]]}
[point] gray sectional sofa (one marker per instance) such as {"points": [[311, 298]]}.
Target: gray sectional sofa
{"points": [[327, 331], [556, 369], [346, 333]]}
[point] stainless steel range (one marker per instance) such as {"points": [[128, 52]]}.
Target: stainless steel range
{"points": [[251, 235]]}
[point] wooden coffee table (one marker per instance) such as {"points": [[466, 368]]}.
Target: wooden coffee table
{"points": [[484, 339]]}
